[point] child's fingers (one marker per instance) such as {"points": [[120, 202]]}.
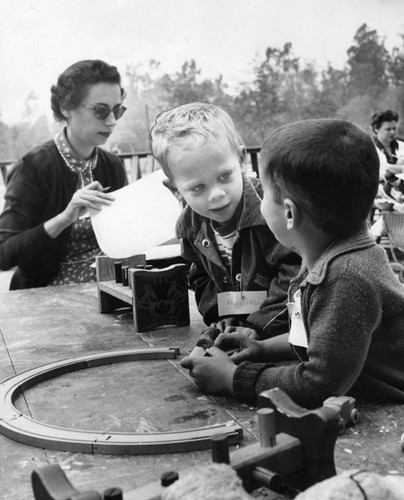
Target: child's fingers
{"points": [[230, 329], [240, 356], [220, 325], [225, 340], [214, 351], [253, 335], [187, 362]]}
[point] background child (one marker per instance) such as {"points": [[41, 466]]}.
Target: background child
{"points": [[235, 258], [346, 307]]}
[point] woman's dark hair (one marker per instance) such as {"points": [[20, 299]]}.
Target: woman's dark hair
{"points": [[73, 83], [329, 167], [383, 116]]}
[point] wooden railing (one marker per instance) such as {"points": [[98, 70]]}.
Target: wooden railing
{"points": [[253, 153], [4, 164], [142, 163], [138, 164]]}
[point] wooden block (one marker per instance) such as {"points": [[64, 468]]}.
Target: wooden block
{"points": [[106, 265], [285, 458], [111, 297], [160, 297], [317, 430]]}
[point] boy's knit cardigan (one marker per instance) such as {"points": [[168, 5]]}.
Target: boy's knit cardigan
{"points": [[353, 312]]}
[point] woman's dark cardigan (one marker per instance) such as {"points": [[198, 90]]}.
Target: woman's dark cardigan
{"points": [[39, 187]]}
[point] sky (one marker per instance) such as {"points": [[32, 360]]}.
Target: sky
{"points": [[41, 38]]}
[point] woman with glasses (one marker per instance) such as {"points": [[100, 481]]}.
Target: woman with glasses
{"points": [[45, 231]]}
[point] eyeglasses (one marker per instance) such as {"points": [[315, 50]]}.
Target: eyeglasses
{"points": [[102, 111]]}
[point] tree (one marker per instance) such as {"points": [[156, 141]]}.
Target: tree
{"points": [[142, 99], [333, 92], [31, 107], [280, 92], [397, 81], [368, 64], [397, 65], [188, 86], [6, 152], [25, 135]]}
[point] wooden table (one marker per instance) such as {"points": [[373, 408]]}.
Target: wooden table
{"points": [[49, 324]]}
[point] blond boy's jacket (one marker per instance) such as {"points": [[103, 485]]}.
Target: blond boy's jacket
{"points": [[259, 262]]}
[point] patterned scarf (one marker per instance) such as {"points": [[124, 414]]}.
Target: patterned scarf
{"points": [[83, 168]]}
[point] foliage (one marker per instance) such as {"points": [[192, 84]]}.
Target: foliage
{"points": [[368, 62], [282, 90]]}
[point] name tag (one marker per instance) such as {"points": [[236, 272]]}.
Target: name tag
{"points": [[240, 302], [297, 333]]}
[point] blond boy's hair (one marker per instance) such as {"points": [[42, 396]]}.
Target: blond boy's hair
{"points": [[193, 122]]}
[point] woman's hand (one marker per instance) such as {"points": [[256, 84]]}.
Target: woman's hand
{"points": [[89, 197], [213, 372], [92, 197]]}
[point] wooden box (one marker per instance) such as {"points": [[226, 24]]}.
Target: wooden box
{"points": [[159, 297]]}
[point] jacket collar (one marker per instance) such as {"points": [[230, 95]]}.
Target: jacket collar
{"points": [[190, 223], [355, 241], [393, 146]]}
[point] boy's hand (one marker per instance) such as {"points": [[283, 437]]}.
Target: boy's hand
{"points": [[230, 341], [225, 323], [232, 337], [248, 348], [213, 373], [244, 330]]}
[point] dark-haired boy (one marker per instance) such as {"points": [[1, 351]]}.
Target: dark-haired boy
{"points": [[346, 306]]}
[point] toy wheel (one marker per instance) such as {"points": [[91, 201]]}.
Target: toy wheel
{"points": [[354, 416], [341, 426]]}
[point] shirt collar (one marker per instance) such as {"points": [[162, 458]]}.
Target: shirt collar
{"points": [[393, 147], [75, 161], [251, 213], [354, 241]]}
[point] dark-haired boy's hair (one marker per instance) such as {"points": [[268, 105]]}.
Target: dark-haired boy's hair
{"points": [[383, 116], [329, 167], [72, 85]]}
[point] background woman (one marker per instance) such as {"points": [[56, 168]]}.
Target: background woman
{"points": [[42, 230], [390, 150]]}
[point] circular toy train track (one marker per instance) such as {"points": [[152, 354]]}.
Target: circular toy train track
{"points": [[19, 427]]}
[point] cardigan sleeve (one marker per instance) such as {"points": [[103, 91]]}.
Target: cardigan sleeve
{"points": [[340, 322], [23, 238]]}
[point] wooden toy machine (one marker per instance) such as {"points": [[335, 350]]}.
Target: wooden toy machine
{"points": [[295, 451]]}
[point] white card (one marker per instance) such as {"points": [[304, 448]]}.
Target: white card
{"points": [[297, 333], [240, 302], [142, 216]]}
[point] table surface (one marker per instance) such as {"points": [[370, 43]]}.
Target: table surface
{"points": [[44, 325]]}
